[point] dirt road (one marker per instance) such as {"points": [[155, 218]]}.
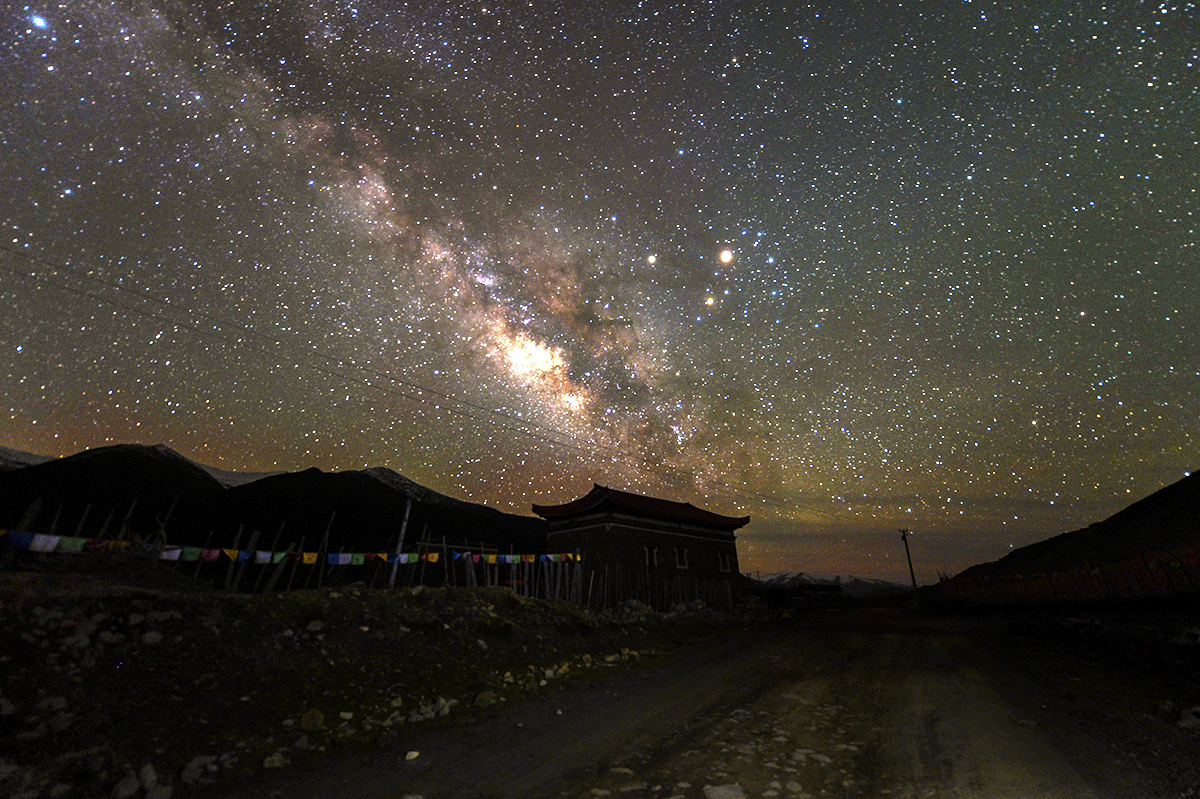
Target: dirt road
{"points": [[856, 703]]}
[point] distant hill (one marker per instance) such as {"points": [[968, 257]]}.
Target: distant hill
{"points": [[1166, 519], [364, 510], [18, 459], [1147, 549], [92, 493], [857, 587], [153, 488]]}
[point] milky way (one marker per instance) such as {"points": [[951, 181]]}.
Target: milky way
{"points": [[924, 265]]}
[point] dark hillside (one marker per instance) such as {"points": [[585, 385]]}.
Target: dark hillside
{"points": [[367, 509], [55, 496], [1150, 549], [90, 495], [1166, 519]]}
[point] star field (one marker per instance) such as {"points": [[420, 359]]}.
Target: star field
{"points": [[844, 269]]}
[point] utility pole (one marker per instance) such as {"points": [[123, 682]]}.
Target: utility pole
{"points": [[911, 573]]}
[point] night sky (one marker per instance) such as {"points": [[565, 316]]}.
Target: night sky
{"points": [[843, 267]]}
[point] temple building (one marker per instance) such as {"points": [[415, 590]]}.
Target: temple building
{"points": [[638, 547]]}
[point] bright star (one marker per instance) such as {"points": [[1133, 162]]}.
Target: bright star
{"points": [[726, 256], [39, 22]]}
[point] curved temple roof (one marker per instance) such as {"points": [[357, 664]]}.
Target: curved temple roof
{"points": [[602, 498]]}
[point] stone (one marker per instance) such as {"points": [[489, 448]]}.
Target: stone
{"points": [[128, 786], [315, 626], [196, 768], [7, 708], [148, 776], [733, 791], [345, 715], [160, 792], [276, 760], [411, 755], [313, 719], [485, 699], [61, 721], [152, 637]]}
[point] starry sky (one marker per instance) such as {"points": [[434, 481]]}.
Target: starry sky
{"points": [[842, 267]]}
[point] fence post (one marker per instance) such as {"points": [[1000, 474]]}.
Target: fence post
{"points": [[400, 544]]}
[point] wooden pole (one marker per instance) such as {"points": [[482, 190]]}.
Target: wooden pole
{"points": [[237, 540], [200, 562], [237, 581], [161, 536], [277, 572], [322, 553], [261, 572], [124, 528], [296, 565], [425, 551], [400, 544], [82, 519], [107, 522], [28, 521]]}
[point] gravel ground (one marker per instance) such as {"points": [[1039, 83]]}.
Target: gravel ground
{"points": [[156, 688]]}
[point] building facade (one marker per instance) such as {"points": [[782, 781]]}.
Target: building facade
{"points": [[639, 547]]}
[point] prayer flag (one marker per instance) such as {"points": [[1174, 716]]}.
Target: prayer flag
{"points": [[245, 555], [309, 558], [72, 545], [231, 553], [357, 559], [433, 557], [19, 540], [169, 554], [277, 557], [209, 555], [190, 553], [262, 556], [43, 543]]}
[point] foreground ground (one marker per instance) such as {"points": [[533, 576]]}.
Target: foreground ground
{"points": [[834, 704], [479, 693]]}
